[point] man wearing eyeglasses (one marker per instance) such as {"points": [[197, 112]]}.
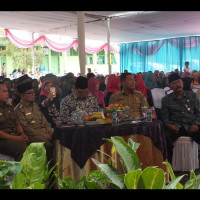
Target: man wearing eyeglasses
{"points": [[32, 119]]}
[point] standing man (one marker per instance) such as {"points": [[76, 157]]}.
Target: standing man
{"points": [[13, 141], [128, 96], [42, 69], [187, 68], [32, 119], [180, 113], [3, 70]]}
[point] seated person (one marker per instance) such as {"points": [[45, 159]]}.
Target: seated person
{"points": [[32, 119], [128, 96], [112, 86], [67, 89], [93, 88], [78, 99], [13, 141], [180, 113], [49, 104]]}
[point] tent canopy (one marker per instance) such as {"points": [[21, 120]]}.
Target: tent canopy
{"points": [[125, 26]]}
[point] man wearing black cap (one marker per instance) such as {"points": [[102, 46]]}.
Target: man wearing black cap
{"points": [[32, 119], [78, 99], [180, 113]]}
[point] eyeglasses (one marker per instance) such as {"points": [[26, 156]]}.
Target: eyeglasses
{"points": [[30, 93]]}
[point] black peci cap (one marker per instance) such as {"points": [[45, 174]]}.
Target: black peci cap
{"points": [[173, 77], [25, 87]]}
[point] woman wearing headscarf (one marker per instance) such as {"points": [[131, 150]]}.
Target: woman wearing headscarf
{"points": [[150, 80], [139, 86], [49, 103], [93, 88], [67, 89], [113, 85]]}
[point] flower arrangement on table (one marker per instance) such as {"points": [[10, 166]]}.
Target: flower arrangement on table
{"points": [[121, 110]]}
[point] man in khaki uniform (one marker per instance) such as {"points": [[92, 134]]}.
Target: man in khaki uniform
{"points": [[13, 141], [128, 96], [32, 119]]}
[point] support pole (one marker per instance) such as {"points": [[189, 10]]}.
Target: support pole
{"points": [[108, 40], [81, 41], [33, 55]]}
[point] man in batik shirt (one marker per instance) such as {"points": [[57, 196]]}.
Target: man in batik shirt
{"points": [[180, 113], [79, 99]]}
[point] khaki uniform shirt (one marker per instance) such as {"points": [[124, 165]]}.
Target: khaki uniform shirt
{"points": [[135, 101], [8, 119], [32, 119]]}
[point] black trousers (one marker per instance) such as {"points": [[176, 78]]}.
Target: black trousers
{"points": [[171, 137]]}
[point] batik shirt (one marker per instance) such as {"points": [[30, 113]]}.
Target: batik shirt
{"points": [[181, 112], [71, 102]]}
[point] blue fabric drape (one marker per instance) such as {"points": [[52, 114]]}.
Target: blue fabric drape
{"points": [[163, 55]]}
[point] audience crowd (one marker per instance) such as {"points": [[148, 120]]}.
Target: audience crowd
{"points": [[30, 109]]}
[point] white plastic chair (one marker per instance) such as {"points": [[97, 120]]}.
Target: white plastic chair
{"points": [[185, 154], [157, 95]]}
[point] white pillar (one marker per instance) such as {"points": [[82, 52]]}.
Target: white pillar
{"points": [[108, 39], [33, 55], [81, 41]]}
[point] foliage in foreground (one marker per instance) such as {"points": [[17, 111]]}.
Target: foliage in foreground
{"points": [[30, 173], [133, 177]]}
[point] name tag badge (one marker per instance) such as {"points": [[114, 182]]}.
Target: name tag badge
{"points": [[1, 114], [29, 113], [32, 122]]}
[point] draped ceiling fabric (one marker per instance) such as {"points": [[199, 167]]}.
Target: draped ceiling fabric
{"points": [[163, 55], [55, 46]]}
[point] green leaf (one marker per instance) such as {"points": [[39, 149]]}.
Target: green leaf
{"points": [[3, 168], [172, 175], [129, 157], [131, 179], [68, 183], [111, 173], [173, 184], [38, 185], [193, 183], [190, 184], [133, 145], [14, 168], [34, 163], [192, 175], [19, 182], [152, 178]]}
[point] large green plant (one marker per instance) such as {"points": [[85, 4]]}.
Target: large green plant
{"points": [[32, 172], [133, 177]]}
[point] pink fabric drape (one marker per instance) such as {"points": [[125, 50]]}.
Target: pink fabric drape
{"points": [[58, 47]]}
